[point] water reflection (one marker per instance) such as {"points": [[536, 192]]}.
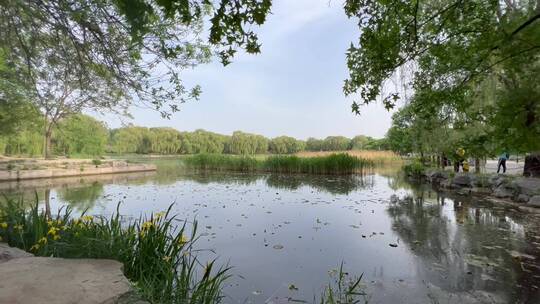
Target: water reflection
{"points": [[472, 250], [83, 197]]}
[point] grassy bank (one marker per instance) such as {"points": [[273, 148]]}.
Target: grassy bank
{"points": [[330, 164], [158, 256]]}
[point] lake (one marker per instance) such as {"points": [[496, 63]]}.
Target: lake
{"points": [[286, 235]]}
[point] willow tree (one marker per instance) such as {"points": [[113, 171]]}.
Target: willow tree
{"points": [[443, 50], [105, 55]]}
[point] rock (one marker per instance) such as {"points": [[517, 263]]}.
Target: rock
{"points": [[522, 198], [496, 181], [463, 180], [463, 191], [480, 190], [8, 253], [503, 192], [534, 201], [446, 184], [527, 185], [437, 176], [55, 280]]}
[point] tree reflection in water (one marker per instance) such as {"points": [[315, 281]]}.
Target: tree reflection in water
{"points": [[470, 247]]}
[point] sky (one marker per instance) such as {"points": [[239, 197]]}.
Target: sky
{"points": [[293, 87]]}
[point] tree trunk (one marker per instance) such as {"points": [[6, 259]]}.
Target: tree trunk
{"points": [[47, 141], [531, 167]]}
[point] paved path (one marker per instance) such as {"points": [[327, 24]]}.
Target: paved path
{"points": [[512, 167]]}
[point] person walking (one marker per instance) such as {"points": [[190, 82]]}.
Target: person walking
{"points": [[502, 162]]}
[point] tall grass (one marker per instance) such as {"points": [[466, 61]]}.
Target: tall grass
{"points": [[377, 157], [344, 290], [157, 255], [331, 164]]}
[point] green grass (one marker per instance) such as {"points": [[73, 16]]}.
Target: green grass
{"points": [[158, 257], [331, 164]]}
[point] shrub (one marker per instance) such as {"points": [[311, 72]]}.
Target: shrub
{"points": [[415, 169]]}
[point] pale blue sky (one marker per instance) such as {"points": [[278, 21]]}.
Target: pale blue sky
{"points": [[294, 87]]}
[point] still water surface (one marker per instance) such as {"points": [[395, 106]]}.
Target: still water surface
{"points": [[278, 230]]}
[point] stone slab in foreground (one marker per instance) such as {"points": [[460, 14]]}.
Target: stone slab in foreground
{"points": [[8, 253], [54, 280]]}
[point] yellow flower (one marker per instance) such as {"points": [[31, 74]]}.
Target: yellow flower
{"points": [[183, 239], [87, 218], [56, 237], [53, 231], [159, 215], [50, 223], [18, 227], [166, 258], [3, 225], [34, 247], [76, 221], [42, 240], [147, 225]]}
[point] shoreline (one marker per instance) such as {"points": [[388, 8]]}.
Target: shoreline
{"points": [[521, 192], [77, 169]]}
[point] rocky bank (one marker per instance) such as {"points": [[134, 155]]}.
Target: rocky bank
{"points": [[520, 190]]}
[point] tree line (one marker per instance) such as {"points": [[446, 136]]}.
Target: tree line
{"points": [[82, 135]]}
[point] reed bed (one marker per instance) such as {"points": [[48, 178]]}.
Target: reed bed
{"points": [[331, 164], [377, 157], [158, 256]]}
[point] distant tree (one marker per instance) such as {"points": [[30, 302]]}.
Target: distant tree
{"points": [[131, 140], [80, 134], [246, 143], [314, 144], [164, 140], [285, 145], [336, 143], [359, 142]]}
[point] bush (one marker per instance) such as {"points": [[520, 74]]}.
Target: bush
{"points": [[97, 162], [415, 169]]}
